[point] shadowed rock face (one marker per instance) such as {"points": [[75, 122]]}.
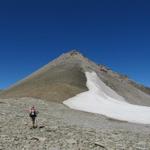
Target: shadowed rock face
{"points": [[65, 77], [131, 91]]}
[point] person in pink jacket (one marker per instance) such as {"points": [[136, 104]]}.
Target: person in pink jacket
{"points": [[33, 114]]}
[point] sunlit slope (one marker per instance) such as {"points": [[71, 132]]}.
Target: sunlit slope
{"points": [[56, 81]]}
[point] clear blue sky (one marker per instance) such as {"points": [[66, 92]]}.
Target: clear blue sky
{"points": [[111, 32]]}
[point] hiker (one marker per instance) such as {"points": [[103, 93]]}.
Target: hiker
{"points": [[33, 114]]}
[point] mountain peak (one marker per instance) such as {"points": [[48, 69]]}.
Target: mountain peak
{"points": [[73, 53], [64, 77], [72, 56]]}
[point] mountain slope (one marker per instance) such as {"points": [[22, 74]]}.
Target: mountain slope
{"points": [[57, 81], [141, 87], [65, 77]]}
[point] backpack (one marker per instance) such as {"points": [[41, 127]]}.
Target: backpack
{"points": [[33, 113]]}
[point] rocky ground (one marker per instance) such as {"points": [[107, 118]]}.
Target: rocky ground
{"points": [[60, 128]]}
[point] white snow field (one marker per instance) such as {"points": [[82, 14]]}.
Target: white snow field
{"points": [[103, 100]]}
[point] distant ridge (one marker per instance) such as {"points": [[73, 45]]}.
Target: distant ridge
{"points": [[64, 77]]}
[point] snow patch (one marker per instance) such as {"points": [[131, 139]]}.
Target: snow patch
{"points": [[103, 100]]}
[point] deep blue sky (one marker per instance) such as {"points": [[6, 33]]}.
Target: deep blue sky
{"points": [[111, 32]]}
